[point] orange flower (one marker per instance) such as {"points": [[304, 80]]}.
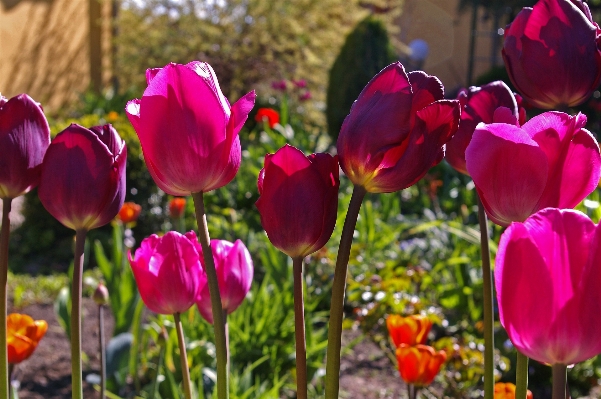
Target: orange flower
{"points": [[22, 336], [129, 212], [410, 330], [176, 207], [506, 390], [419, 364]]}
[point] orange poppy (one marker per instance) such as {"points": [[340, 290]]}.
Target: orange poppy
{"points": [[419, 364], [176, 207], [411, 330], [129, 212], [22, 336]]}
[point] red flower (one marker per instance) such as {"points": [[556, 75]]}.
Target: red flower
{"points": [[268, 115], [177, 206], [299, 200], [410, 330]]}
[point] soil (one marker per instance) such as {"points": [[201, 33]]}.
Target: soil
{"points": [[366, 372]]}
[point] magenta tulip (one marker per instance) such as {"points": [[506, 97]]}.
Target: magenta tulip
{"points": [[24, 138], [396, 130], [478, 104], [188, 131], [83, 176], [168, 271], [234, 273], [551, 161], [547, 275], [298, 200], [552, 53]]}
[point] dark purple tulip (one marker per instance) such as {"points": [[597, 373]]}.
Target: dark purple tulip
{"points": [[24, 138]]}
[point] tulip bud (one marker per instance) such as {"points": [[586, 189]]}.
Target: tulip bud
{"points": [[83, 176], [396, 130], [187, 128], [298, 200], [506, 390], [552, 53], [550, 161], [101, 295], [24, 139], [235, 270], [168, 271], [268, 115]]}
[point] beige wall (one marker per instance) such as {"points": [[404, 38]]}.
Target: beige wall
{"points": [[448, 35], [45, 49]]}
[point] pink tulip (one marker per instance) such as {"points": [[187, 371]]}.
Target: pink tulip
{"points": [[396, 130], [24, 138], [234, 273], [168, 271], [551, 161], [83, 176], [478, 104], [552, 53], [188, 131], [547, 278], [298, 200]]}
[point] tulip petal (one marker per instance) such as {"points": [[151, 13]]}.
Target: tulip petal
{"points": [[24, 138], [132, 109], [426, 89], [434, 126], [508, 193]]}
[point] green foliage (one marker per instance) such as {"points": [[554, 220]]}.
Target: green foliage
{"points": [[366, 51], [120, 282]]}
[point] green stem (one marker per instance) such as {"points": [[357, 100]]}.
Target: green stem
{"points": [[4, 236], [559, 381], [183, 357], [299, 329], [338, 289], [76, 370], [521, 377], [101, 345], [218, 317], [489, 326]]}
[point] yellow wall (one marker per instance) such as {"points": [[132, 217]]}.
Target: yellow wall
{"points": [[45, 49], [448, 35]]}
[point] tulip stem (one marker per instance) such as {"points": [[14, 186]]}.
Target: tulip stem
{"points": [[489, 326], [299, 329], [521, 379], [4, 236], [183, 356], [76, 370], [218, 316], [338, 290], [559, 381], [101, 345]]}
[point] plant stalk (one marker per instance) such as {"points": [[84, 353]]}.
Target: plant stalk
{"points": [[559, 381], [4, 240], [218, 317], [155, 384], [489, 331], [183, 356], [76, 369], [299, 329], [338, 290], [521, 377], [102, 347]]}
